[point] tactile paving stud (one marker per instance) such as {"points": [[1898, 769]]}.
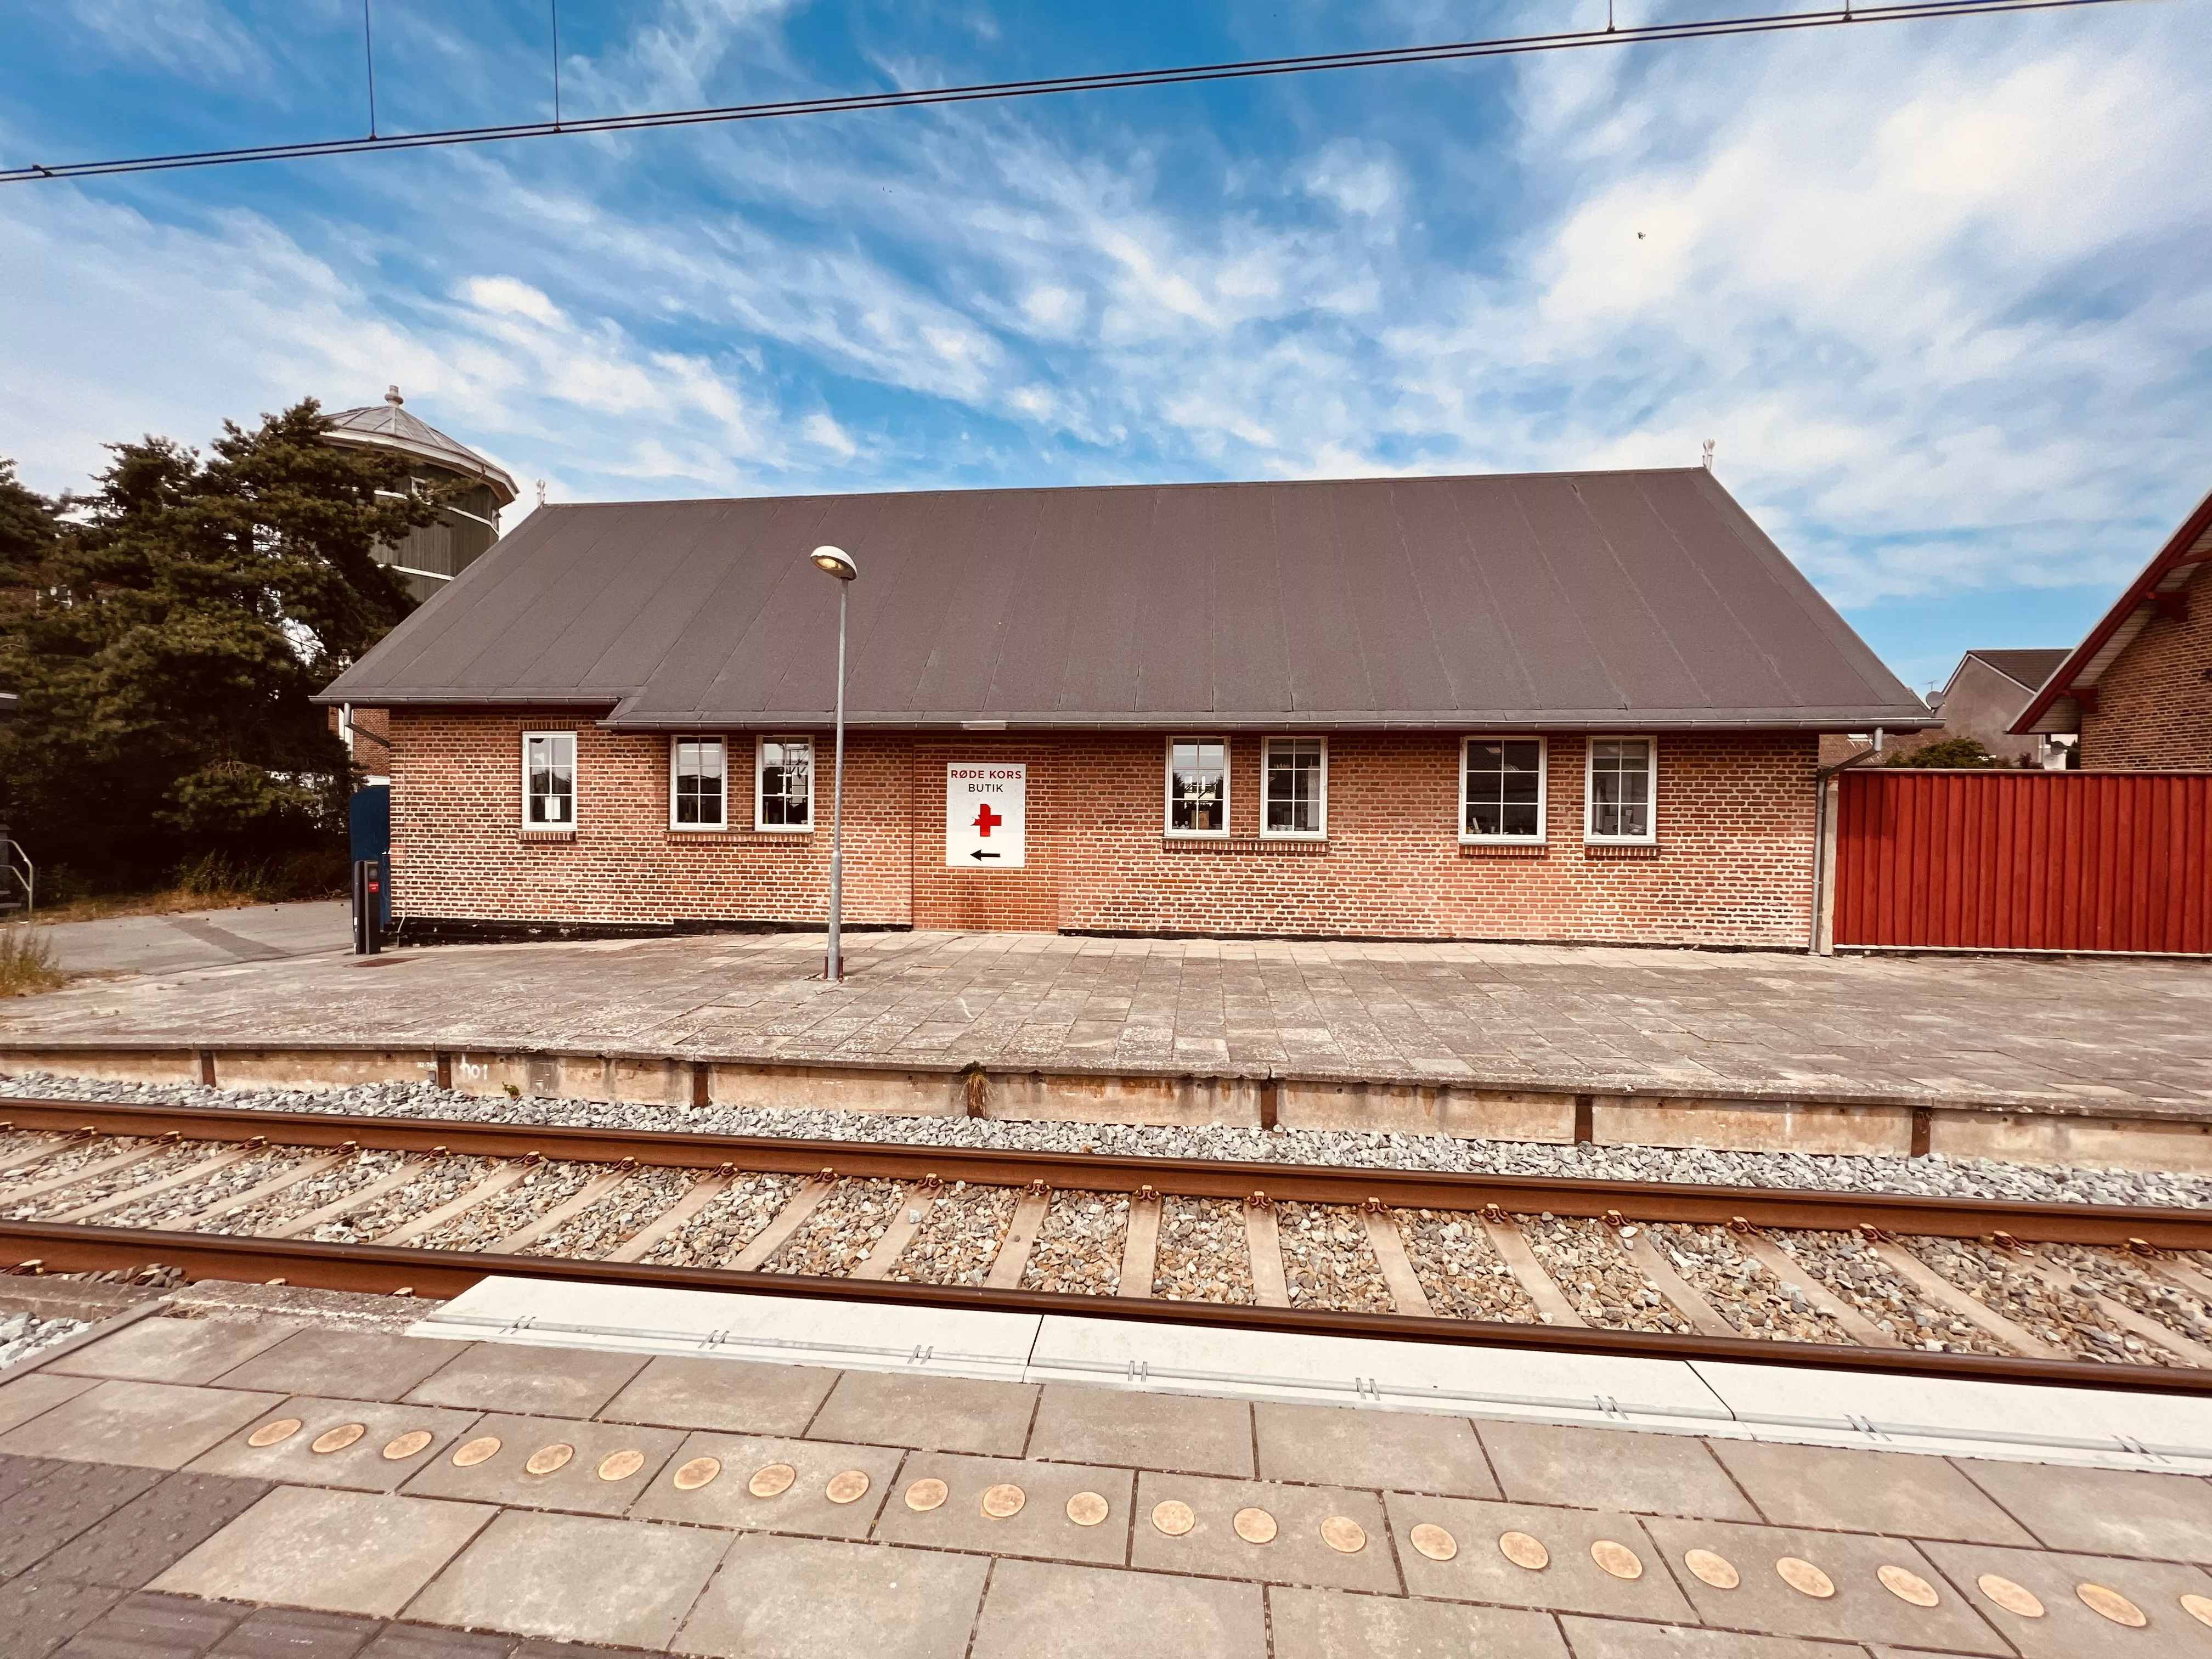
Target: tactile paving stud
{"points": [[2110, 1604], [772, 1481], [2199, 1607], [1433, 1541], [1523, 1551], [926, 1495], [1715, 1569], [1174, 1517], [1617, 1559], [849, 1487], [1003, 1501], [2013, 1598], [546, 1459], [1253, 1526], [621, 1465], [1344, 1534], [699, 1472], [1087, 1509], [468, 1456], [337, 1439], [1908, 1586], [270, 1433], [1805, 1579], [405, 1445]]}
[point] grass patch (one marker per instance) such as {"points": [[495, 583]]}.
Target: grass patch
{"points": [[26, 963]]}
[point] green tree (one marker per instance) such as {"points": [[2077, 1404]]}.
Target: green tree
{"points": [[166, 631], [1946, 751]]}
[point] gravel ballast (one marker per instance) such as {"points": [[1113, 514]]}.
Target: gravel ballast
{"points": [[1934, 1176]]}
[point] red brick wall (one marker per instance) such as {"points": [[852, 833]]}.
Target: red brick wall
{"points": [[2154, 704], [1733, 864]]}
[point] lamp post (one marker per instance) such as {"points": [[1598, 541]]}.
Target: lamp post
{"points": [[839, 563]]}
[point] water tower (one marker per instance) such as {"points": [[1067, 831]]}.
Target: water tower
{"points": [[426, 558]]}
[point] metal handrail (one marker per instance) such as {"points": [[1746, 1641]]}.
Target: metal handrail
{"points": [[11, 851]]}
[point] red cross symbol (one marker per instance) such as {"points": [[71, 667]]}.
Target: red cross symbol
{"points": [[986, 820]]}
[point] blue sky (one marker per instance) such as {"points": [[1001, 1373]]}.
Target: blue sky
{"points": [[1938, 292]]}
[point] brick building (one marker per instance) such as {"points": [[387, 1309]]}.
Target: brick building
{"points": [[1572, 707], [2138, 688]]}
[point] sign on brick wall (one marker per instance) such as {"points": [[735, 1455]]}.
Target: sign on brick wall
{"points": [[986, 812]]}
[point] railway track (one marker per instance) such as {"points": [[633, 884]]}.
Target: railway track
{"points": [[2068, 1294]]}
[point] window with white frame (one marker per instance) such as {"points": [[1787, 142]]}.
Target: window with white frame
{"points": [[783, 784], [698, 784], [1501, 789], [1198, 786], [1621, 789], [1294, 788], [549, 779]]}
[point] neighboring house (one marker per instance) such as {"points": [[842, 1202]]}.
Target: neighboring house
{"points": [[1570, 707], [2138, 689], [1982, 699]]}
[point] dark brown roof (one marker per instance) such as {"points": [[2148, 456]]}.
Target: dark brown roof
{"points": [[2027, 669], [1643, 600]]}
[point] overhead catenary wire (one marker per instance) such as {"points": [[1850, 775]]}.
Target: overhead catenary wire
{"points": [[1124, 80], [368, 62]]}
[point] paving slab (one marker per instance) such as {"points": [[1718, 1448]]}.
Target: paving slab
{"points": [[436, 1642], [166, 1349], [2067, 1629], [1866, 1490], [1781, 1024], [154, 1530], [338, 1551], [1078, 1424], [1041, 1529], [934, 1414], [343, 1364], [733, 1395], [1345, 1446], [151, 1626], [2105, 1512], [40, 1613], [1296, 1554], [1312, 1624], [159, 1425], [1861, 1610], [361, 1465], [1609, 1639], [1570, 1581], [541, 1381], [804, 1506], [295, 1633], [37, 1521], [27, 1396], [576, 1578], [607, 1465], [1612, 1468], [799, 1598], [1045, 1610]]}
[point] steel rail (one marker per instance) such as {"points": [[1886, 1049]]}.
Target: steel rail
{"points": [[46, 1247], [2114, 1225]]}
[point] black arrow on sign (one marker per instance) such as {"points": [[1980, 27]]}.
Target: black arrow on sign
{"points": [[980, 854]]}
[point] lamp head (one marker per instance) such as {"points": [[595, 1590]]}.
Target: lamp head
{"points": [[836, 561]]}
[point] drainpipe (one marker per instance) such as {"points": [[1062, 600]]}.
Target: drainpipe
{"points": [[1826, 793]]}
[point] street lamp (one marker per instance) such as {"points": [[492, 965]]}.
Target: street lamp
{"points": [[839, 563]]}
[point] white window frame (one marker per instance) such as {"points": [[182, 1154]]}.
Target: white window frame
{"points": [[1266, 744], [575, 783], [1651, 838], [761, 825], [1468, 838], [1167, 789], [675, 747]]}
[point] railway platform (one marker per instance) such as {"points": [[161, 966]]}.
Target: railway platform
{"points": [[242, 1471]]}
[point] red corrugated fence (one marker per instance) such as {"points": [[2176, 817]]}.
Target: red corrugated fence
{"points": [[2006, 860]]}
